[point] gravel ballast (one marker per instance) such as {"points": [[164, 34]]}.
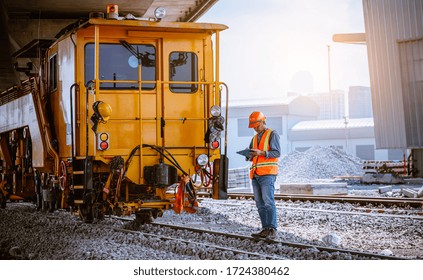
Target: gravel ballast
{"points": [[31, 235]]}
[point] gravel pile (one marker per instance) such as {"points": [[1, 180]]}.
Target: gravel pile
{"points": [[318, 163]]}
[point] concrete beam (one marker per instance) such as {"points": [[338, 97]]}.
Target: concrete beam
{"points": [[409, 192], [379, 178], [8, 77], [350, 38], [314, 188], [53, 9], [24, 31], [22, 21], [385, 189]]}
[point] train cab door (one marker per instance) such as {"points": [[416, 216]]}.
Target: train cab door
{"points": [[123, 64], [184, 103]]}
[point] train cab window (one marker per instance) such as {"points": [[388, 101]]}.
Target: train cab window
{"points": [[183, 67], [52, 81], [119, 62]]}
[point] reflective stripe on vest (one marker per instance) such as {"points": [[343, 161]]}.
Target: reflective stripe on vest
{"points": [[262, 165]]}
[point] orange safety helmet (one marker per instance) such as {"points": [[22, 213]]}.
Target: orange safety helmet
{"points": [[256, 118]]}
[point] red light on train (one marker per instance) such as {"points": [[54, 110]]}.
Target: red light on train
{"points": [[112, 8], [215, 144], [103, 141], [104, 145], [112, 11]]}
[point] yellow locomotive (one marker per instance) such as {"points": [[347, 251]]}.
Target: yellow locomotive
{"points": [[122, 117]]}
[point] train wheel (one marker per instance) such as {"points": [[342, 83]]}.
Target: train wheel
{"points": [[63, 175], [98, 211], [117, 211], [144, 216], [2, 200], [156, 213], [86, 213], [64, 188], [3, 197]]}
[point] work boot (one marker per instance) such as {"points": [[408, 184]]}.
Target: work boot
{"points": [[271, 234], [262, 234]]}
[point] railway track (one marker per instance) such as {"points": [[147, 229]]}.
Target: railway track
{"points": [[200, 244], [241, 241], [206, 235], [285, 243], [363, 200], [374, 212]]}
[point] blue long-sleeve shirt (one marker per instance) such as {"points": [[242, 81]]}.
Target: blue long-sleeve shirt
{"points": [[274, 143]]}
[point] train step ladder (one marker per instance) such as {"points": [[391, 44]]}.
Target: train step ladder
{"points": [[81, 177]]}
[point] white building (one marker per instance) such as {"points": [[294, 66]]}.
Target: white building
{"points": [[332, 105], [360, 102], [296, 121], [280, 115]]}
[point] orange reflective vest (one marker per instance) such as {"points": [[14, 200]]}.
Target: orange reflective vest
{"points": [[262, 165]]}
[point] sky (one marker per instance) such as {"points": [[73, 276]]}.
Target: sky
{"points": [[273, 47]]}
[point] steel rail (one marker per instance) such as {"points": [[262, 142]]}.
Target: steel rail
{"points": [[412, 202], [285, 243], [236, 251], [245, 237], [371, 212]]}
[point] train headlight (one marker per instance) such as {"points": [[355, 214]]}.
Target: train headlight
{"points": [[215, 111], [216, 124], [202, 159], [159, 13], [103, 141]]}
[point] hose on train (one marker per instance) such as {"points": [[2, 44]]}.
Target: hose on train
{"points": [[169, 157], [160, 150]]}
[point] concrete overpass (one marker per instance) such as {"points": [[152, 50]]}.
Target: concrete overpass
{"points": [[21, 21]]}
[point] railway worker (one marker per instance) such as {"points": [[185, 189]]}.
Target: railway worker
{"points": [[265, 151]]}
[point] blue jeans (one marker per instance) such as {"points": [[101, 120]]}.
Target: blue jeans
{"points": [[264, 196]]}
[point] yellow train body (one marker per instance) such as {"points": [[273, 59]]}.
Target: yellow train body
{"points": [[123, 108]]}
